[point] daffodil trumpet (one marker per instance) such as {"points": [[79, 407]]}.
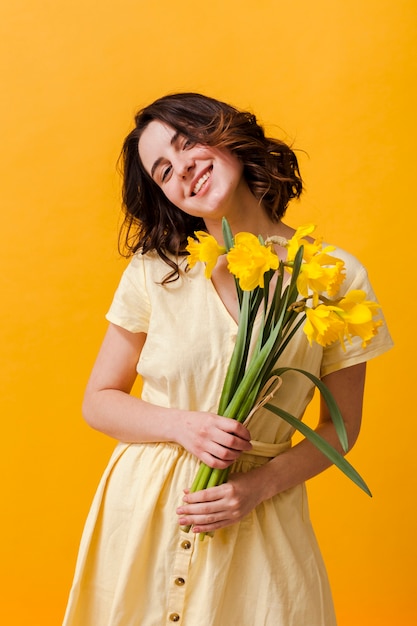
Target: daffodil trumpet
{"points": [[300, 304]]}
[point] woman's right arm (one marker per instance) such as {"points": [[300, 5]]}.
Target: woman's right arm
{"points": [[109, 408]]}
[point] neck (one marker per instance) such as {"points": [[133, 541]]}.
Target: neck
{"points": [[251, 219]]}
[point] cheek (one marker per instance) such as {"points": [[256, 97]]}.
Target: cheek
{"points": [[172, 192], [238, 167], [233, 166]]}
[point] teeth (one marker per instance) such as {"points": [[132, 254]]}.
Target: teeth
{"points": [[201, 182]]}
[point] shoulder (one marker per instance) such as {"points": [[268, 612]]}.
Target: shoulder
{"points": [[151, 274], [356, 275], [335, 356], [352, 263], [151, 265]]}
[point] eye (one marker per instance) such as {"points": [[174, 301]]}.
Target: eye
{"points": [[165, 173], [187, 144]]}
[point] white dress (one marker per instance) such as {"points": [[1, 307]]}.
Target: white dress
{"points": [[135, 566]]}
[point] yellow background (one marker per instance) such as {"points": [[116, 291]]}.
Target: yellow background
{"points": [[337, 78]]}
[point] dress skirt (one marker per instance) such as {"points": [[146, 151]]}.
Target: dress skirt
{"points": [[136, 567]]}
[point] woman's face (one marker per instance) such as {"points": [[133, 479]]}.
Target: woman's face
{"points": [[201, 180]]}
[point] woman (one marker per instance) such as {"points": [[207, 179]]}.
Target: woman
{"points": [[189, 162]]}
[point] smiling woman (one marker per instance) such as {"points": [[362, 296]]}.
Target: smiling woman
{"points": [[201, 180], [190, 162], [152, 221]]}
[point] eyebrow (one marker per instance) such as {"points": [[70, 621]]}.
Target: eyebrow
{"points": [[173, 141]]}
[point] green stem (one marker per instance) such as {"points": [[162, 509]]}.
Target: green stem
{"points": [[218, 477]]}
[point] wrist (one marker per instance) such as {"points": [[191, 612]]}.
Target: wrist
{"points": [[269, 479], [175, 424]]}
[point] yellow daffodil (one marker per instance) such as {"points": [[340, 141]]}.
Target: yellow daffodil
{"points": [[358, 316], [249, 260], [353, 316], [322, 274], [298, 239], [206, 250], [311, 247], [323, 325]]}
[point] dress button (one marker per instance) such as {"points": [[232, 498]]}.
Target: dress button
{"points": [[180, 582], [186, 545], [174, 617]]}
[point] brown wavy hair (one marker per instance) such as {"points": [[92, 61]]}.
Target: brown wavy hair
{"points": [[151, 221]]}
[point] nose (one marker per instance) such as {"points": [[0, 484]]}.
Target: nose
{"points": [[185, 165]]}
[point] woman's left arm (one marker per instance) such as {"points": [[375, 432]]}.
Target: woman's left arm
{"points": [[221, 506]]}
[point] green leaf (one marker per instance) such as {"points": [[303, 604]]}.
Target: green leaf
{"points": [[324, 447], [227, 234], [334, 410], [290, 331], [229, 243], [283, 315], [239, 355], [275, 304], [291, 291], [256, 298]]}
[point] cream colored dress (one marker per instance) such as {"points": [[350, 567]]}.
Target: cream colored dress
{"points": [[135, 566]]}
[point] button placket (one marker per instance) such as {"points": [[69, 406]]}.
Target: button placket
{"points": [[176, 596]]}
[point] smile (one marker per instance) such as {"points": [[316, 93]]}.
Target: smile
{"points": [[204, 178]]}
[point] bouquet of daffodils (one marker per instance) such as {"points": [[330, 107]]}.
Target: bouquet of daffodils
{"points": [[308, 300]]}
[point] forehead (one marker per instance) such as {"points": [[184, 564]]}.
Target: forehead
{"points": [[154, 142]]}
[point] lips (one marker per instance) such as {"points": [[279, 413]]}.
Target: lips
{"points": [[202, 179]]}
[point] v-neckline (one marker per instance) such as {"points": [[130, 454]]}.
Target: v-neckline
{"points": [[226, 310], [222, 305]]}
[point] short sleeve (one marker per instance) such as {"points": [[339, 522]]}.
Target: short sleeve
{"points": [[131, 308], [334, 356]]}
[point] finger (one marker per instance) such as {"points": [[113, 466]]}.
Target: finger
{"points": [[241, 429], [204, 520], [224, 453], [214, 462], [233, 442], [235, 428], [211, 494], [218, 456], [212, 526], [230, 442]]}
